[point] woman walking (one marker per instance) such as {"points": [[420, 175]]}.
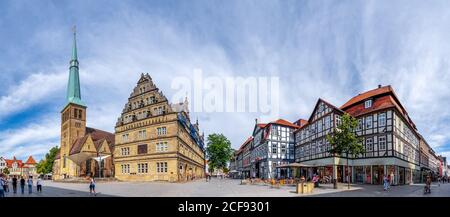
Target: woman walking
{"points": [[92, 186], [385, 182], [30, 185]]}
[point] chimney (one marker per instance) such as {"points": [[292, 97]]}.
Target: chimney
{"points": [[379, 86], [256, 120]]}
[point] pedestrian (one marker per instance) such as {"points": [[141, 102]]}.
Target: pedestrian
{"points": [[428, 185], [39, 185], [392, 179], [30, 184], [2, 191], [14, 184], [385, 182], [92, 186], [5, 184], [22, 184]]}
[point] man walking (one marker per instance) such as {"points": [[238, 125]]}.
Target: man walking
{"points": [[39, 185], [22, 184], [14, 184]]}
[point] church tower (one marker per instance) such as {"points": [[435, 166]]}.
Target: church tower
{"points": [[73, 116]]}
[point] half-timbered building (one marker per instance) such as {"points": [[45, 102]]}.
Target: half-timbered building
{"points": [[273, 145], [388, 134]]}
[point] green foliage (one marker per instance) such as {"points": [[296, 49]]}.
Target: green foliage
{"points": [[6, 171], [46, 165], [219, 151], [344, 139], [226, 170]]}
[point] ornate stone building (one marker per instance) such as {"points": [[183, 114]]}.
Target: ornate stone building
{"points": [[81, 147], [155, 140]]}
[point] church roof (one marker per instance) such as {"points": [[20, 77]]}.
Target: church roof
{"points": [[98, 136], [73, 87]]}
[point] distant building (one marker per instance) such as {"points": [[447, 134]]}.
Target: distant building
{"points": [[273, 145], [18, 167]]}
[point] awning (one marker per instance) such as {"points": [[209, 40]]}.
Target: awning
{"points": [[233, 171], [293, 165]]}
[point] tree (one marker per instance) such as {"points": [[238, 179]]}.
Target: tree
{"points": [[345, 141], [46, 165], [219, 151], [6, 171]]}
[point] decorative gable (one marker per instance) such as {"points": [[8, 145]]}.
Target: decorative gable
{"points": [[88, 145]]}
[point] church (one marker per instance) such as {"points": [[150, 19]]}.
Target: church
{"points": [[82, 148]]}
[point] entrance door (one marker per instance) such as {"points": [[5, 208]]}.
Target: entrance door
{"points": [[378, 172], [257, 170]]}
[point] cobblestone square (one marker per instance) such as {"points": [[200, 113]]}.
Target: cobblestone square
{"points": [[223, 188]]}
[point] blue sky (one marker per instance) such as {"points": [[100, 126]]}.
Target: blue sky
{"points": [[328, 49]]}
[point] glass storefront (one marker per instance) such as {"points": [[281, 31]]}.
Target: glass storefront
{"points": [[391, 171], [408, 176], [359, 174], [377, 174], [368, 174]]}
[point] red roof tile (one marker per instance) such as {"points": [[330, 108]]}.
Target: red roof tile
{"points": [[284, 123], [30, 160], [366, 95]]}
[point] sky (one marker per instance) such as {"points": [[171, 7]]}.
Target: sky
{"points": [[328, 49]]}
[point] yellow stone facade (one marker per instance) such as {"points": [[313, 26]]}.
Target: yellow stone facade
{"points": [[153, 143], [73, 126]]}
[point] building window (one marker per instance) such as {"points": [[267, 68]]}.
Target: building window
{"points": [[142, 134], [382, 119], [143, 168], [368, 103], [327, 122], [359, 124], [369, 144], [161, 147], [125, 151], [142, 149], [319, 126], [152, 100], [274, 148], [161, 131], [125, 168], [161, 167], [283, 149], [338, 120], [368, 122], [382, 142], [125, 137]]}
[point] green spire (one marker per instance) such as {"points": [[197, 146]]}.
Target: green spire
{"points": [[73, 88]]}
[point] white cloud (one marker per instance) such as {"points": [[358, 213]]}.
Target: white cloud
{"points": [[327, 50], [34, 138], [31, 91]]}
